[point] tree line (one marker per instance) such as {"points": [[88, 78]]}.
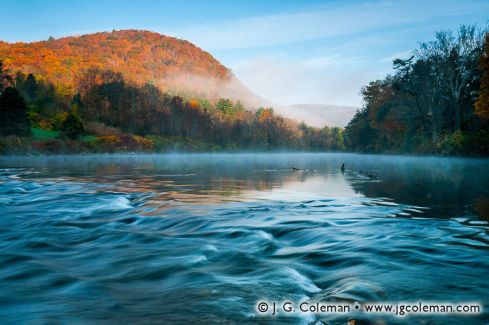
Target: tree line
{"points": [[106, 104], [106, 97], [437, 100]]}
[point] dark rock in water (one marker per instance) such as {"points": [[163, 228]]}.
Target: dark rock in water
{"points": [[294, 169], [367, 174]]}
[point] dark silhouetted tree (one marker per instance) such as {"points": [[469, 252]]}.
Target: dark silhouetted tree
{"points": [[31, 87], [13, 113], [72, 127]]}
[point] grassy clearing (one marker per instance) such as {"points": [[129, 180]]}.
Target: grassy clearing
{"points": [[88, 138], [40, 134]]}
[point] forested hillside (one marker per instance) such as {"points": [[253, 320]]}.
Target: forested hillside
{"points": [[141, 56], [136, 90], [108, 113]]}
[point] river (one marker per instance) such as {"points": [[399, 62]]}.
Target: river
{"points": [[202, 238]]}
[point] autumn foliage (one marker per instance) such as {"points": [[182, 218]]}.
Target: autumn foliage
{"points": [[437, 100], [482, 104], [141, 56]]}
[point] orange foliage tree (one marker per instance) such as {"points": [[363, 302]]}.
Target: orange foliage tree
{"points": [[482, 104]]}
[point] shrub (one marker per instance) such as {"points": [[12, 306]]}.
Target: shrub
{"points": [[59, 119], [101, 129], [13, 144], [113, 143], [453, 144], [72, 127]]}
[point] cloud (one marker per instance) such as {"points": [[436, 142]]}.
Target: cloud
{"points": [[330, 61], [325, 54], [327, 21]]}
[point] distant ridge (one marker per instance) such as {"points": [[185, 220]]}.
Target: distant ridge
{"points": [[319, 115]]}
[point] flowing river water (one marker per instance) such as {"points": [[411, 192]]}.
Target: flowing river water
{"points": [[201, 238]]}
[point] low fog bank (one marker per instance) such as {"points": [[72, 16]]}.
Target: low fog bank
{"points": [[353, 161], [213, 88], [316, 115]]}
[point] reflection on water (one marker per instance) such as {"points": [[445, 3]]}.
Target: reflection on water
{"points": [[200, 238]]}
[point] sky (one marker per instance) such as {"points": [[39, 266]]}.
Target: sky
{"points": [[289, 52]]}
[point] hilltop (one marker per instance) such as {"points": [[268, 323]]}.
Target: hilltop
{"points": [[141, 56]]}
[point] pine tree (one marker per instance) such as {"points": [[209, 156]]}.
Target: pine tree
{"points": [[31, 87], [72, 127], [13, 113]]}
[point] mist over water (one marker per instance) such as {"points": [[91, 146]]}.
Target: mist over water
{"points": [[200, 238]]}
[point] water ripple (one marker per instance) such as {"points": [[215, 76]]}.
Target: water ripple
{"points": [[75, 249]]}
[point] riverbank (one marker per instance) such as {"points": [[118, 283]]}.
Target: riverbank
{"points": [[49, 143]]}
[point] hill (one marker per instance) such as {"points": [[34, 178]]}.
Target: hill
{"points": [[319, 115], [142, 57], [171, 64]]}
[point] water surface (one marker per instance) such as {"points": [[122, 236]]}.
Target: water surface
{"points": [[201, 238]]}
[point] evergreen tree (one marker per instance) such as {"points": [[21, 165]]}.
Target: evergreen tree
{"points": [[31, 87], [72, 127], [225, 105], [13, 113]]}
